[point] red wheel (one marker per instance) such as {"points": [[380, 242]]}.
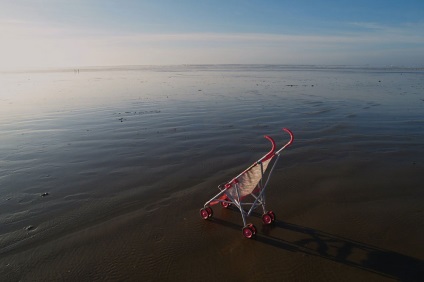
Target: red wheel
{"points": [[247, 232], [204, 213], [210, 212], [225, 204], [251, 226], [272, 215], [266, 219]]}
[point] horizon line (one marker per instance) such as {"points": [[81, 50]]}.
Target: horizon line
{"points": [[33, 69]]}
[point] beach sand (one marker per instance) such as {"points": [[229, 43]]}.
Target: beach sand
{"points": [[103, 173]]}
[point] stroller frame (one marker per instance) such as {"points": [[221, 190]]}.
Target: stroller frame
{"points": [[250, 182]]}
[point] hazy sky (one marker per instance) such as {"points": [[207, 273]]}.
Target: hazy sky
{"points": [[71, 33]]}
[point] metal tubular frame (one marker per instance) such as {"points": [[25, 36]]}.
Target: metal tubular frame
{"points": [[260, 196]]}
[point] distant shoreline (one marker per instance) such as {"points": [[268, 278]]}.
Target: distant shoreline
{"points": [[210, 67]]}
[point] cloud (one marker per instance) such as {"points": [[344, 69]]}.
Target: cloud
{"points": [[25, 44]]}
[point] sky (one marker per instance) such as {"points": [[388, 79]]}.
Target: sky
{"points": [[79, 33]]}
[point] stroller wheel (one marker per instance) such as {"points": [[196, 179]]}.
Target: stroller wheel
{"points": [[225, 204], [272, 215], [251, 226], [267, 219], [205, 213], [210, 211], [249, 231]]}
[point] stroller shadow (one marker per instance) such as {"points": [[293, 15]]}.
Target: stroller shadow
{"points": [[342, 250], [348, 252]]}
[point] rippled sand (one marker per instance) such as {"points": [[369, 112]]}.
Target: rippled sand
{"points": [[103, 173]]}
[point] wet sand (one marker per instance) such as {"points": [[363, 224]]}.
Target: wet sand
{"points": [[103, 173]]}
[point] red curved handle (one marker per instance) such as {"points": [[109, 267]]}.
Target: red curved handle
{"points": [[268, 156], [288, 143], [291, 136], [271, 152]]}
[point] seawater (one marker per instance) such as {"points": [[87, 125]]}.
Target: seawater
{"points": [[98, 140]]}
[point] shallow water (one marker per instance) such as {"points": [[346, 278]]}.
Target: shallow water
{"points": [[114, 147]]}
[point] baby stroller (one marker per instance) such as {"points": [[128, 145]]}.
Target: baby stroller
{"points": [[248, 190]]}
